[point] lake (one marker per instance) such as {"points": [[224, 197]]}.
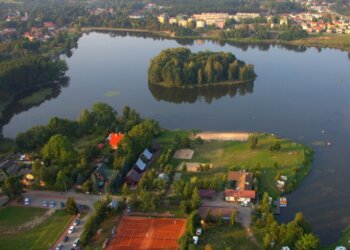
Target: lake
{"points": [[299, 94]]}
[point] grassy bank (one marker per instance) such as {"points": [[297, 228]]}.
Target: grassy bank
{"points": [[38, 237], [292, 160]]}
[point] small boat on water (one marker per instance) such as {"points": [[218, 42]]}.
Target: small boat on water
{"points": [[283, 202]]}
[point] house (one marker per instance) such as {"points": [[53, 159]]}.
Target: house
{"points": [[239, 187], [133, 177], [146, 155], [163, 18], [140, 166], [104, 174], [114, 139], [206, 193]]}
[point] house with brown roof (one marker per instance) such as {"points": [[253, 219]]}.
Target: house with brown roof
{"points": [[239, 187]]}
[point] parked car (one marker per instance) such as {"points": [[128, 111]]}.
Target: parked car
{"points": [[76, 242], [26, 201], [45, 203], [76, 222], [59, 246], [52, 204], [71, 229], [65, 238], [62, 205]]}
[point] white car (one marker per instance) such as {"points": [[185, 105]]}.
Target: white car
{"points": [[52, 204], [45, 203], [26, 201], [71, 229], [76, 222], [76, 242]]}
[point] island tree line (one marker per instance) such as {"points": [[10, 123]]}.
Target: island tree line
{"points": [[180, 67]]}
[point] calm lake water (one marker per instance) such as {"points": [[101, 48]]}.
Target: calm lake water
{"points": [[304, 96]]}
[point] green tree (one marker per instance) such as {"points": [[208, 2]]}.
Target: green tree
{"points": [[307, 242], [195, 199], [267, 241], [193, 222], [71, 206], [301, 221], [125, 189], [12, 187], [104, 116], [87, 186], [185, 241], [59, 150], [233, 217]]}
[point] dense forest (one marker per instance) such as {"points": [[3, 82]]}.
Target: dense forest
{"points": [[27, 72], [180, 67]]}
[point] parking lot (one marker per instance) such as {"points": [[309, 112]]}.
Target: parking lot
{"points": [[57, 200], [71, 236]]}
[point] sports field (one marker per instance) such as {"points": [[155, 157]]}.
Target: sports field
{"points": [[148, 233]]}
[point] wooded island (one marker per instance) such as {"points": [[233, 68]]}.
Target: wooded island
{"points": [[179, 67]]}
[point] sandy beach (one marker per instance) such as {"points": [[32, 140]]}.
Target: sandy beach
{"points": [[224, 136]]}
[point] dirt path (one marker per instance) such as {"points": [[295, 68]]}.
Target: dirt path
{"points": [[224, 136], [33, 223]]}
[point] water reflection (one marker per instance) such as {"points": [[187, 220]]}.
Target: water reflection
{"points": [[206, 94], [244, 46], [18, 106]]}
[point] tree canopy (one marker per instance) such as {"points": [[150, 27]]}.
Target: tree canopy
{"points": [[180, 67]]}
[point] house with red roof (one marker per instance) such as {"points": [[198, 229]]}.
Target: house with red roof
{"points": [[239, 187], [114, 139]]}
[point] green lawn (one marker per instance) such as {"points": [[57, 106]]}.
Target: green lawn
{"points": [[82, 143], [166, 137], [38, 237], [226, 155], [227, 237], [12, 217]]}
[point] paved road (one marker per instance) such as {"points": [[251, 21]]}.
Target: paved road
{"points": [[73, 236], [37, 197]]}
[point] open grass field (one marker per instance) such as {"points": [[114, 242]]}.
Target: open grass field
{"points": [[148, 233], [82, 143], [226, 155], [37, 237], [227, 237], [12, 217]]}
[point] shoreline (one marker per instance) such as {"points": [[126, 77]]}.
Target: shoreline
{"points": [[207, 85], [312, 41]]}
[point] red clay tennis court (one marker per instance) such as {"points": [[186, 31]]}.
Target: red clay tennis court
{"points": [[148, 233]]}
